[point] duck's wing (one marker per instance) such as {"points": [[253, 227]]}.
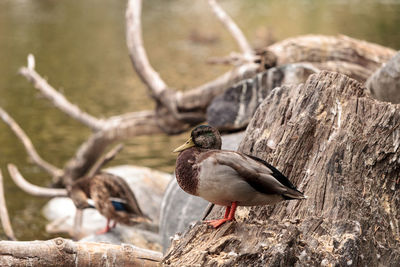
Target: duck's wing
{"points": [[275, 172], [101, 196], [259, 174], [120, 191]]}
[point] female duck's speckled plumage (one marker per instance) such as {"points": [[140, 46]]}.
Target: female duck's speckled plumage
{"points": [[112, 197], [228, 178]]}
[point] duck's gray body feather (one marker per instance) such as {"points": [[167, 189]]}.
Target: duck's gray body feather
{"points": [[224, 177]]}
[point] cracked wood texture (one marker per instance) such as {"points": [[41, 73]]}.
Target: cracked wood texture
{"points": [[356, 58], [63, 252], [340, 147]]}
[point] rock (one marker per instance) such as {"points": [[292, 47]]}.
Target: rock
{"points": [[179, 210], [384, 84], [61, 212], [131, 235], [233, 110]]}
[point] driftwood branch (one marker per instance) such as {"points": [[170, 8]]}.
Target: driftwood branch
{"points": [[138, 54], [32, 189], [54, 171], [63, 252], [322, 48], [142, 123], [235, 31], [158, 88], [113, 129], [104, 160], [234, 59], [58, 99], [175, 102], [5, 219], [106, 131]]}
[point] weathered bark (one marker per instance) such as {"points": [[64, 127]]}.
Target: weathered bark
{"points": [[341, 148], [63, 252], [384, 84], [353, 70], [322, 48]]}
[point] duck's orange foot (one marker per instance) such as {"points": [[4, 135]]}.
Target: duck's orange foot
{"points": [[104, 230], [217, 223]]}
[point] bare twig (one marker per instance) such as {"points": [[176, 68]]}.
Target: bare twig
{"points": [[158, 88], [28, 145], [138, 54], [104, 160], [58, 99], [117, 130], [235, 31], [234, 59], [5, 219], [31, 188]]}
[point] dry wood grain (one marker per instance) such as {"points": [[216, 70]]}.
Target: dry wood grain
{"points": [[64, 252]]}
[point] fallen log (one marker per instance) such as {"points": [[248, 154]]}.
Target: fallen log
{"points": [[322, 48], [64, 252]]}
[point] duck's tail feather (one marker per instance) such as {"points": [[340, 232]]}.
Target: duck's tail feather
{"points": [[293, 194], [140, 219]]}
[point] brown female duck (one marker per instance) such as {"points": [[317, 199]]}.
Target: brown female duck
{"points": [[111, 196], [228, 178]]}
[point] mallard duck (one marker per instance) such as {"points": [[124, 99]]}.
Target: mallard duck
{"points": [[228, 178], [111, 196]]}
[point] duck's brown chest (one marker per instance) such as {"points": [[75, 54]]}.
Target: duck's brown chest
{"points": [[187, 171]]}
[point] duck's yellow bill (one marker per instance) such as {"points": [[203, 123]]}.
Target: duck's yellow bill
{"points": [[189, 143]]}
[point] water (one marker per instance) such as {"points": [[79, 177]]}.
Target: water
{"points": [[80, 47]]}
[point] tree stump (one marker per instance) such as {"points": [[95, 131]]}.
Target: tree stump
{"points": [[340, 147]]}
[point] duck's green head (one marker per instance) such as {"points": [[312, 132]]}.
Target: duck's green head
{"points": [[203, 136]]}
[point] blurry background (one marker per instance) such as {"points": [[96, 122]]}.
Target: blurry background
{"points": [[80, 47]]}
